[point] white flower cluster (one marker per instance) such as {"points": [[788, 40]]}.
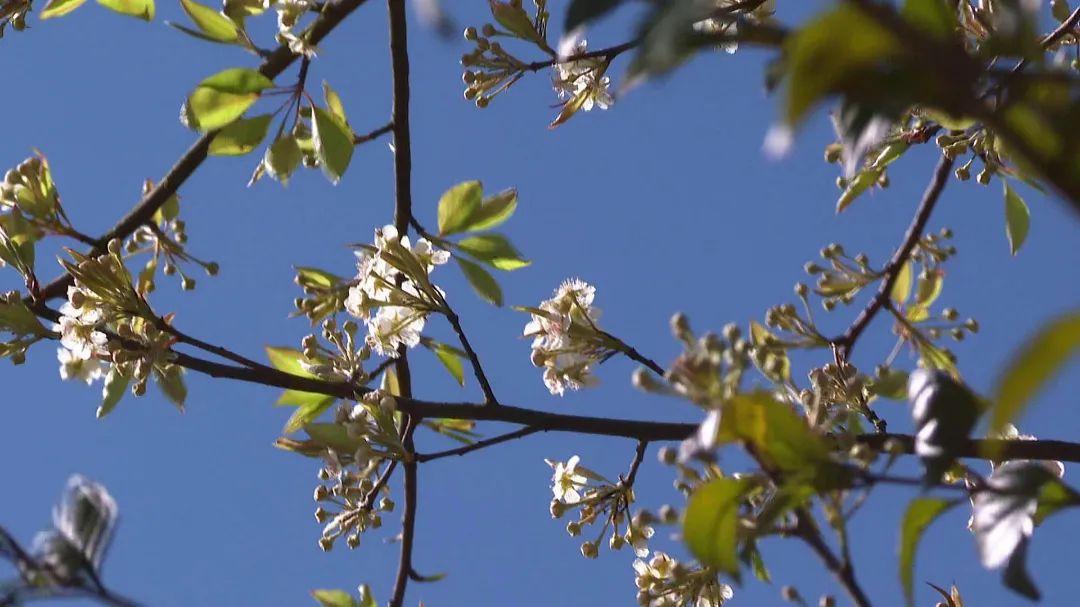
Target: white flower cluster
{"points": [[574, 77], [82, 344], [664, 582], [289, 13], [393, 295], [566, 339]]}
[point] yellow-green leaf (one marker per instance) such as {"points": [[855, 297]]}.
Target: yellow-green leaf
{"points": [[451, 358], [494, 250], [213, 25], [115, 387], [333, 598], [901, 289], [333, 143], [240, 137], [59, 8], [457, 205], [224, 97], [333, 102], [282, 158], [482, 282], [493, 211], [920, 513], [1038, 361], [711, 524], [143, 9], [1017, 219]]}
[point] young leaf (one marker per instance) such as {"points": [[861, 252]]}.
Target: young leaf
{"points": [[59, 8], [711, 524], [334, 598], [901, 289], [457, 206], [333, 143], [493, 211], [213, 25], [494, 250], [282, 158], [333, 102], [115, 387], [143, 9], [481, 281], [1017, 219], [451, 358], [307, 413], [919, 514], [172, 385], [1043, 356], [224, 97], [240, 137]]}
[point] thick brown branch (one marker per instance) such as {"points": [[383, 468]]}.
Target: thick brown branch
{"points": [[274, 64], [892, 270]]}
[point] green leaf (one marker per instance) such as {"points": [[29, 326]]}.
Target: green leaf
{"points": [[367, 599], [59, 8], [668, 37], [901, 289], [482, 282], [115, 387], [927, 290], [457, 206], [334, 598], [451, 358], [307, 413], [932, 16], [143, 9], [1038, 361], [333, 102], [1017, 219], [282, 158], [919, 514], [171, 383], [1053, 497], [581, 12], [855, 188], [214, 25], [711, 523], [493, 211], [240, 137], [515, 19], [494, 250], [224, 97], [287, 360], [334, 436], [333, 144]]}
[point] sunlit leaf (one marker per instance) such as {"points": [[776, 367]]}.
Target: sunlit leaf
{"points": [[333, 143], [334, 598], [143, 9], [116, 384], [451, 358], [1038, 361], [494, 250], [901, 289], [1017, 219], [282, 158], [711, 523], [59, 8], [457, 206], [224, 97], [919, 514], [214, 25], [240, 137], [481, 281], [493, 211]]}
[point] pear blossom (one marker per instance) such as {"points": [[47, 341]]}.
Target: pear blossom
{"points": [[728, 24], [78, 327], [566, 481], [83, 369], [573, 77], [566, 339]]}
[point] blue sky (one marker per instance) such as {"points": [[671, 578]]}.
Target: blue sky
{"points": [[665, 203]]}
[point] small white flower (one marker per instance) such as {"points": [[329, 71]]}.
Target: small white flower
{"points": [[83, 369], [566, 480], [573, 77]]}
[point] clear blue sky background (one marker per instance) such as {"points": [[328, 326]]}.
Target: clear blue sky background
{"points": [[665, 203]]}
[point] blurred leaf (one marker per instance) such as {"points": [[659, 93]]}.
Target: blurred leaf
{"points": [[287, 360], [514, 18], [927, 290], [481, 281], [143, 9], [901, 289], [224, 97], [711, 523], [668, 36], [1054, 497], [334, 436], [1038, 361], [213, 25], [240, 137], [580, 12], [919, 514], [1017, 219], [892, 385], [934, 17], [333, 143], [494, 250], [115, 387], [570, 108], [59, 8], [457, 206]]}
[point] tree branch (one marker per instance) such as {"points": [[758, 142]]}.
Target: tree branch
{"points": [[478, 370], [891, 272], [808, 532], [274, 64], [481, 444], [379, 132]]}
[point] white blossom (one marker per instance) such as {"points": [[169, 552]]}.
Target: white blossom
{"points": [[566, 480], [83, 369], [566, 339], [573, 77]]}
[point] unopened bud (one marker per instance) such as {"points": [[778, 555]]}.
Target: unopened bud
{"points": [[589, 550]]}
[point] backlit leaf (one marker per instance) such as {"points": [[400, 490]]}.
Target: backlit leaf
{"points": [[240, 137]]}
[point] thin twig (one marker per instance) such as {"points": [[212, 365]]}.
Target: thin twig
{"points": [[808, 532], [480, 444], [639, 456], [474, 360], [375, 134], [891, 272]]}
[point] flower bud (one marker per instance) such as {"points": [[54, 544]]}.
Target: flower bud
{"points": [[827, 601], [386, 504], [470, 33], [353, 540], [573, 528], [667, 455], [321, 515], [789, 593], [589, 550], [326, 544], [557, 509]]}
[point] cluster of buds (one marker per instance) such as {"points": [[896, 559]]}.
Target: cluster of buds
{"points": [[567, 341], [489, 68], [164, 238], [835, 392], [393, 294], [708, 372], [324, 293], [665, 582], [345, 362], [595, 498], [14, 12], [725, 19], [980, 143], [352, 469], [29, 191], [843, 278], [17, 318]]}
